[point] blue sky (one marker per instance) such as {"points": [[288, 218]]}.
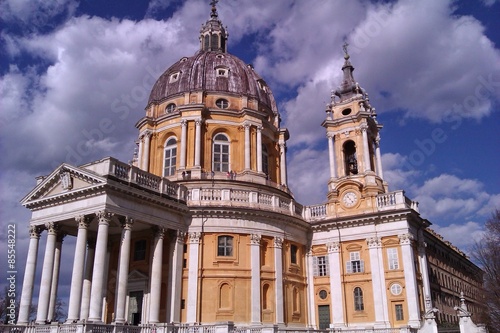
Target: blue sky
{"points": [[431, 68]]}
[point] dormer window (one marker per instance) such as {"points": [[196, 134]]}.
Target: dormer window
{"points": [[174, 77], [221, 71], [170, 108], [222, 103]]}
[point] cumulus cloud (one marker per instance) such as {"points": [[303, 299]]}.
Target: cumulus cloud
{"points": [[461, 235], [92, 92], [33, 15]]}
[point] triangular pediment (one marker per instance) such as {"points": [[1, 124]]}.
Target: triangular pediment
{"points": [[135, 275], [63, 180]]}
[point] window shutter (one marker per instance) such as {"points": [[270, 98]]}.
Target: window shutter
{"points": [[349, 267], [315, 266], [362, 266]]}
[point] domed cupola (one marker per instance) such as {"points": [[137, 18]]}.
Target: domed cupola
{"points": [[213, 36], [212, 114]]}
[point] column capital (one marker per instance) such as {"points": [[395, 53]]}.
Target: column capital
{"points": [[82, 221], [246, 125], [405, 239], [104, 216], [148, 133], [333, 247], [52, 228], [260, 128], [255, 239], [127, 223], [179, 236], [35, 231], [278, 242], [363, 127], [330, 135], [198, 121], [159, 232], [184, 122], [374, 242], [194, 237]]}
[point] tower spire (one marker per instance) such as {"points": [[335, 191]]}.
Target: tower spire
{"points": [[213, 14], [213, 35]]}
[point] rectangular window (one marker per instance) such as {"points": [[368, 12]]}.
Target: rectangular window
{"points": [[392, 257], [320, 266], [140, 250], [225, 246], [355, 265], [293, 254], [399, 312]]}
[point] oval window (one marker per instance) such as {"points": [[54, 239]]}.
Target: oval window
{"points": [[323, 294], [396, 289], [346, 112], [222, 103], [170, 108]]}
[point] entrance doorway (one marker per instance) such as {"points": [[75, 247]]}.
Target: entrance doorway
{"points": [[135, 307], [324, 316]]}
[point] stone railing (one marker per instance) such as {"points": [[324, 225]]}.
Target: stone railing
{"points": [[224, 327], [395, 200], [243, 198], [385, 201], [133, 175]]}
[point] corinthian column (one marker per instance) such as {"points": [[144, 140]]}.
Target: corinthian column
{"points": [[192, 297], [147, 143], [75, 295], [366, 155], [182, 164], [283, 163], [278, 261], [331, 155], [121, 283], [335, 284], [259, 148], [405, 240], [156, 268], [197, 147], [29, 276], [99, 267], [379, 159], [255, 278], [55, 278], [247, 146], [48, 267]]}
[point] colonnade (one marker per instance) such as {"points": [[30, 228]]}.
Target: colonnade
{"points": [[90, 269]]}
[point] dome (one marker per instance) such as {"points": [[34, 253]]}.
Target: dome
{"points": [[212, 72]]}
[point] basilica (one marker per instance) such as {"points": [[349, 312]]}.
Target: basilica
{"points": [[201, 227]]}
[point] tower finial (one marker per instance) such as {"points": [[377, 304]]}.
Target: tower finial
{"points": [[344, 47], [214, 9]]}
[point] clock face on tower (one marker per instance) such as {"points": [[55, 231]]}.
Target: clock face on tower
{"points": [[349, 199]]}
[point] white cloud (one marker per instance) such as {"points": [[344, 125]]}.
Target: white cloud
{"points": [[463, 235], [36, 14]]}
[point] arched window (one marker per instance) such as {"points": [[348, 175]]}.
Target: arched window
{"points": [[215, 42], [265, 160], [220, 153], [358, 299], [170, 108], [350, 159], [170, 157], [225, 246]]}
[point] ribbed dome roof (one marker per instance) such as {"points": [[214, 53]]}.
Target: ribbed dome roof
{"points": [[211, 71]]}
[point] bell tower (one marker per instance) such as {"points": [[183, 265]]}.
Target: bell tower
{"points": [[356, 176]]}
